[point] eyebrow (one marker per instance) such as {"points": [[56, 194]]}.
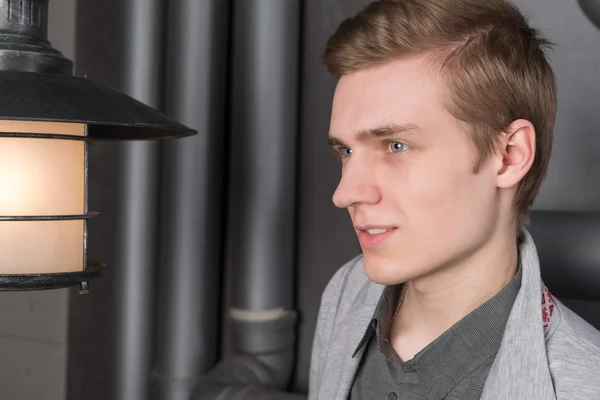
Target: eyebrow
{"points": [[377, 133]]}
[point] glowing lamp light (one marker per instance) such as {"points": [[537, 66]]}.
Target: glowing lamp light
{"points": [[47, 117], [42, 199]]}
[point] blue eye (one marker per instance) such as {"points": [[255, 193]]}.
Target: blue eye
{"points": [[344, 152], [397, 147]]}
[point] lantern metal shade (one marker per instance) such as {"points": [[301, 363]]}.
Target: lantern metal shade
{"points": [[47, 116], [107, 113], [36, 84]]}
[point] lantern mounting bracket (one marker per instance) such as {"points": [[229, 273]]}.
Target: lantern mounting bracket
{"points": [[24, 44]]}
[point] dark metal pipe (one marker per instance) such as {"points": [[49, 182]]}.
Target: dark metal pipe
{"points": [[239, 378], [138, 207], [236, 379], [264, 117], [189, 309], [264, 125], [219, 391], [591, 8]]}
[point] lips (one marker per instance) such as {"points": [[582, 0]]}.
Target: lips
{"points": [[371, 236]]}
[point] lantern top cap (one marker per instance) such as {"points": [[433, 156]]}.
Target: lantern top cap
{"points": [[36, 84]]}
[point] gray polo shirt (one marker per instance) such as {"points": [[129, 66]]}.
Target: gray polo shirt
{"points": [[452, 367]]}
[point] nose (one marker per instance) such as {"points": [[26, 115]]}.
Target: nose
{"points": [[357, 186]]}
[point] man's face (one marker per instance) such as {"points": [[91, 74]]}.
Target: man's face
{"points": [[408, 177]]}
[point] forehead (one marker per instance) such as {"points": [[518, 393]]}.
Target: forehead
{"points": [[402, 91]]}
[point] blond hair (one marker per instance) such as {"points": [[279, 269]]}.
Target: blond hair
{"points": [[493, 62]]}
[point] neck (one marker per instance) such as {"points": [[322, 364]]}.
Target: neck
{"points": [[435, 302]]}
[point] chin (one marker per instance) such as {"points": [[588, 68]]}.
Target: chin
{"points": [[386, 271]]}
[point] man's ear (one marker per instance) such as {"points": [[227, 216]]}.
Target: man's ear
{"points": [[517, 152]]}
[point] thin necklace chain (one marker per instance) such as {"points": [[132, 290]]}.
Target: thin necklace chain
{"points": [[401, 300]]}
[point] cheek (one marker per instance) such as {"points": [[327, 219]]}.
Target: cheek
{"points": [[442, 193]]}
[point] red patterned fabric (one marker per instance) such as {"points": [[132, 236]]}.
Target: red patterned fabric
{"points": [[547, 307]]}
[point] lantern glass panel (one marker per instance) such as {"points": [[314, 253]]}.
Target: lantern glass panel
{"points": [[42, 177]]}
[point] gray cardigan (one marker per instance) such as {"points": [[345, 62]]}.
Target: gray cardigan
{"points": [[563, 364]]}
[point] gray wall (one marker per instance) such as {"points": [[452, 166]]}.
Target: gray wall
{"points": [[326, 239], [33, 332], [573, 174]]}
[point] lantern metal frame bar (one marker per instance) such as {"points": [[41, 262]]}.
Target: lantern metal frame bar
{"points": [[84, 285], [52, 280], [89, 215], [56, 136]]}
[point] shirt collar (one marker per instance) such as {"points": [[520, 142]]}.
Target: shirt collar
{"points": [[381, 322]]}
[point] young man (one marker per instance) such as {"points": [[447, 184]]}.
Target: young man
{"points": [[443, 120]]}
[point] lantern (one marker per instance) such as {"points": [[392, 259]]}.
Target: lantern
{"points": [[47, 118]]}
